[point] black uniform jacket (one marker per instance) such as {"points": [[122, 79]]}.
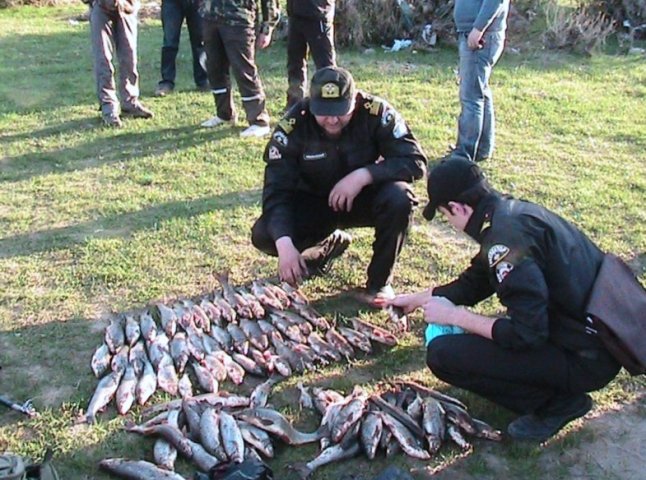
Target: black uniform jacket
{"points": [[313, 9], [300, 157], [541, 267]]}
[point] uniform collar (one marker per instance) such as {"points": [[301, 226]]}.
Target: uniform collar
{"points": [[481, 218]]}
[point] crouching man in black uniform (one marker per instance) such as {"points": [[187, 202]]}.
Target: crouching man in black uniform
{"points": [[340, 158], [541, 358]]}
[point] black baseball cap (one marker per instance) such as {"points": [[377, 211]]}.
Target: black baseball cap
{"points": [[452, 179], [332, 92]]}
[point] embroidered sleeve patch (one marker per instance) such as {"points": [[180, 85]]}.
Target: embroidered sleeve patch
{"points": [[274, 153], [497, 253], [502, 270]]}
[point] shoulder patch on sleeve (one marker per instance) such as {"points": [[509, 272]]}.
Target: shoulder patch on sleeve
{"points": [[280, 137], [273, 153], [287, 124], [496, 253], [373, 104], [502, 270]]}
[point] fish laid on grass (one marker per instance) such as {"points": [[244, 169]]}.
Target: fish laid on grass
{"points": [[101, 360], [331, 454], [273, 422], [105, 391], [137, 470]]}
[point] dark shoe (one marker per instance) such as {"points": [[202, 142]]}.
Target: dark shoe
{"points": [[111, 119], [542, 425], [137, 110], [163, 89], [332, 248]]}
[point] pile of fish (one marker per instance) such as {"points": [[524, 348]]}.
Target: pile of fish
{"points": [[262, 330], [218, 428], [407, 417]]}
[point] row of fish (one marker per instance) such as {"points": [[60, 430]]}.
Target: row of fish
{"points": [[216, 428], [220, 337], [407, 417]]}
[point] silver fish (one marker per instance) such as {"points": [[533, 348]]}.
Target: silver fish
{"points": [[212, 311], [484, 430], [147, 326], [137, 470], [433, 423], [200, 318], [138, 356], [125, 396], [171, 434], [348, 416], [147, 384], [295, 319], [278, 293], [290, 330], [227, 311], [115, 337], [260, 394], [205, 378], [425, 391], [248, 364], [167, 375], [265, 296], [294, 294], [460, 417], [133, 330], [331, 454], [240, 340], [194, 343], [215, 366], [273, 422], [231, 437], [178, 347], [339, 342], [279, 365], [185, 387], [371, 427], [210, 434], [455, 435], [158, 348], [374, 332], [233, 298], [255, 335], [257, 438], [222, 337], [164, 453], [219, 399], [192, 416], [101, 360], [323, 398], [308, 313], [356, 339], [166, 318], [255, 306], [200, 457], [234, 371], [119, 361], [405, 438], [104, 392]]}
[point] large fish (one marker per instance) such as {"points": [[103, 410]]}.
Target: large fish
{"points": [[356, 339], [137, 470], [179, 351], [255, 335], [231, 437], [227, 311], [137, 356], [125, 395], [170, 433], [101, 360], [307, 312], [249, 365], [163, 452], [200, 457], [166, 318], [257, 438], [158, 348], [115, 337], [295, 295], [205, 378], [339, 342], [185, 386], [348, 416], [215, 366], [305, 399], [167, 375], [323, 348], [119, 360], [273, 422], [371, 427], [210, 434], [223, 337], [374, 332], [133, 330], [255, 306], [105, 390], [331, 454], [260, 394], [240, 340], [265, 296], [433, 423], [424, 391], [295, 319], [147, 326], [233, 298], [399, 414], [147, 384], [405, 438]]}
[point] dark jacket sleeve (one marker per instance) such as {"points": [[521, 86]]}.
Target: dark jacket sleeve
{"points": [[471, 287], [403, 158], [281, 179]]}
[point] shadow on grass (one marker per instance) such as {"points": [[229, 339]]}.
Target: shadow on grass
{"points": [[121, 225]]}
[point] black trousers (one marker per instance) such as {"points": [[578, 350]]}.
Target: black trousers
{"points": [[231, 47], [304, 32], [522, 381], [387, 207]]}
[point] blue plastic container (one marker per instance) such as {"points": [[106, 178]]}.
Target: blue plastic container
{"points": [[434, 330]]}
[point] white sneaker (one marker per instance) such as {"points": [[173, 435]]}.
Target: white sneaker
{"points": [[216, 122], [256, 131]]}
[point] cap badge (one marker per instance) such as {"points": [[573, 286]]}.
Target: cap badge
{"points": [[330, 90]]}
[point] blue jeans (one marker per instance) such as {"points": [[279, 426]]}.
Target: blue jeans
{"points": [[173, 13], [476, 125]]}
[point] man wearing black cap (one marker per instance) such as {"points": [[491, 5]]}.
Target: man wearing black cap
{"points": [[340, 158], [541, 358]]}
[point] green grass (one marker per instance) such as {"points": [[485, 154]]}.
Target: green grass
{"points": [[96, 221]]}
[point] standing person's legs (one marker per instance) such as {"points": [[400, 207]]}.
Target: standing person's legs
{"points": [[126, 45], [217, 69], [194, 24], [102, 33], [320, 38], [496, 42], [172, 16], [388, 208], [239, 43], [296, 61]]}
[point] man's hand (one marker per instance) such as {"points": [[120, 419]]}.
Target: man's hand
{"points": [[408, 302], [474, 41], [440, 310], [291, 264], [346, 190], [263, 40]]}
